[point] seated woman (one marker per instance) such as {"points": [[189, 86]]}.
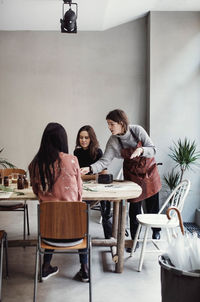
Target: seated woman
{"points": [[88, 152], [55, 176]]}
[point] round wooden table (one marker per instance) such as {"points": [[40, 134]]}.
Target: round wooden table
{"points": [[118, 192]]}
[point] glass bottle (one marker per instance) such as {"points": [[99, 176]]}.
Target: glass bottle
{"points": [[25, 182], [6, 181], [20, 182]]}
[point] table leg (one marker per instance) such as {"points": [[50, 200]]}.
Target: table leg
{"points": [[114, 230], [121, 236], [115, 219], [24, 219]]}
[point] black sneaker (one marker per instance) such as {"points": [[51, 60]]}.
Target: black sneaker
{"points": [[83, 273], [50, 271], [156, 235], [129, 249], [126, 233]]}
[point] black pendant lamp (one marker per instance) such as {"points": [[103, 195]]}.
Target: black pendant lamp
{"points": [[68, 22]]}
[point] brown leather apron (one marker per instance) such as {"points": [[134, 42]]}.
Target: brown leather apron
{"points": [[141, 170]]}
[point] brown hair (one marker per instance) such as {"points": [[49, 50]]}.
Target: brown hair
{"points": [[54, 140], [94, 144], [118, 116]]}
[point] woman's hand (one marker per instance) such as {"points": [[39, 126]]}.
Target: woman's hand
{"points": [[85, 170], [138, 152]]}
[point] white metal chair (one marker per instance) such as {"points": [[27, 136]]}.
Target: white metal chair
{"points": [[4, 244], [147, 221], [63, 220]]}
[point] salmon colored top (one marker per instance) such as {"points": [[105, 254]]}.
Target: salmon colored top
{"points": [[68, 185]]}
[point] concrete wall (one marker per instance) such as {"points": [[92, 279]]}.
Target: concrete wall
{"points": [[77, 79], [71, 79], [174, 60]]}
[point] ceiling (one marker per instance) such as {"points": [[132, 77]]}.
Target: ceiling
{"points": [[93, 15]]}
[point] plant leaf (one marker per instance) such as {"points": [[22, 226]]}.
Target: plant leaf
{"points": [[184, 153], [172, 179]]}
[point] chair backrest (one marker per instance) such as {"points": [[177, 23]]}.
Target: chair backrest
{"points": [[2, 234], [63, 219], [10, 171], [177, 197]]}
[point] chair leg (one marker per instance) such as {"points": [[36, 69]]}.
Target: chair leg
{"points": [[90, 273], [136, 239], [6, 254], [40, 265], [143, 249], [36, 275], [24, 236], [1, 266], [168, 235], [27, 217]]}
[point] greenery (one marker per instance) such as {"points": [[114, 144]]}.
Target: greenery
{"points": [[4, 163], [8, 189], [172, 179], [5, 189], [185, 155]]}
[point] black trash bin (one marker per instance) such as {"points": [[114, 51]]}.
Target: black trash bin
{"points": [[178, 285]]}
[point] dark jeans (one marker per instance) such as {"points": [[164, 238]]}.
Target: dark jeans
{"points": [[47, 257], [106, 218], [152, 206]]}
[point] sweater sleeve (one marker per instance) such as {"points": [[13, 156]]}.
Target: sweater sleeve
{"points": [[106, 159]]}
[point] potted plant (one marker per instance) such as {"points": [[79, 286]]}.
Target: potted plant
{"points": [[185, 155], [4, 163]]}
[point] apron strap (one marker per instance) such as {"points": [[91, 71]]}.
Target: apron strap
{"points": [[120, 142], [133, 135]]}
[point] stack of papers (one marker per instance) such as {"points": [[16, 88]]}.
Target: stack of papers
{"points": [[106, 188]]}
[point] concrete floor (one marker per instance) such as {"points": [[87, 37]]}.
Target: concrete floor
{"points": [[107, 285]]}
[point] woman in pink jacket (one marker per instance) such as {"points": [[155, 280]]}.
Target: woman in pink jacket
{"points": [[55, 175]]}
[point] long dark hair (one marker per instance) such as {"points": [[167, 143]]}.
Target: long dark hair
{"points": [[118, 116], [54, 140], [94, 144]]}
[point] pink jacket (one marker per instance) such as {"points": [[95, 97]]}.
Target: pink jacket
{"points": [[67, 187]]}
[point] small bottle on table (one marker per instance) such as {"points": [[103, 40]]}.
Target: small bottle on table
{"points": [[20, 182], [6, 181]]}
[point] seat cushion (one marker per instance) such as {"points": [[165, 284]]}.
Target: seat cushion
{"points": [[157, 220]]}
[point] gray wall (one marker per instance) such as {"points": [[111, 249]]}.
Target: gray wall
{"points": [[174, 39], [71, 79], [77, 79]]}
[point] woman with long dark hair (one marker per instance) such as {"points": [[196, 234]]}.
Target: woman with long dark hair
{"points": [[132, 143], [87, 146], [88, 152], [55, 176]]}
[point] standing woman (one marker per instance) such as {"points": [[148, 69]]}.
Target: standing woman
{"points": [[132, 143], [88, 152], [55, 176]]}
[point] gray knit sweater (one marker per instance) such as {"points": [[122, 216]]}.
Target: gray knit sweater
{"points": [[113, 148]]}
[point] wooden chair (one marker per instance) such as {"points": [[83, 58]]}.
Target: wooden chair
{"points": [[62, 220], [15, 205], [4, 244], [147, 221]]}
